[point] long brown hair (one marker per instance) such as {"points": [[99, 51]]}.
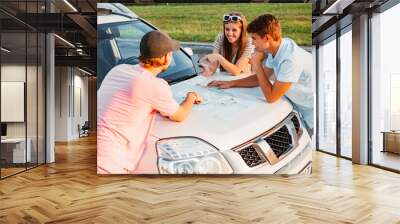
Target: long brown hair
{"points": [[227, 47]]}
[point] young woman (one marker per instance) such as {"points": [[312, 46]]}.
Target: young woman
{"points": [[232, 48]]}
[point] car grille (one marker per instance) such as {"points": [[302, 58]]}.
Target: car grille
{"points": [[296, 123], [280, 141], [251, 156]]}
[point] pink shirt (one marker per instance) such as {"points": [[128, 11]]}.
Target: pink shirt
{"points": [[128, 101]]}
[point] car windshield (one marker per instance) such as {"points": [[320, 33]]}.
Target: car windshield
{"points": [[118, 43]]}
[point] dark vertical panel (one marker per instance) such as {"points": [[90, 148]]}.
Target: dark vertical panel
{"points": [[26, 79], [45, 97], [37, 91], [45, 88], [73, 91], [338, 74], [1, 163], [317, 97], [369, 125], [32, 90]]}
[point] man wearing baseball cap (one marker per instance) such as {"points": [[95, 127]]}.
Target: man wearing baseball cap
{"points": [[129, 99]]}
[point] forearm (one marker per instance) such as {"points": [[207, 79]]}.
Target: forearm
{"points": [[264, 83], [184, 110], [250, 81], [229, 67]]}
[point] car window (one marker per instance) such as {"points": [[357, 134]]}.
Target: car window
{"points": [[118, 43], [128, 37]]}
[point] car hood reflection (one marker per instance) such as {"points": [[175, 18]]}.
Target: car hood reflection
{"points": [[226, 118]]}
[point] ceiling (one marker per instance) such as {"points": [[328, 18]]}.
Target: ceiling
{"points": [[330, 15], [72, 20]]}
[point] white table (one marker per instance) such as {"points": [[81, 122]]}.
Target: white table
{"points": [[18, 149]]}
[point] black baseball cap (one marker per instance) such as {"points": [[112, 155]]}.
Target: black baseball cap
{"points": [[156, 44]]}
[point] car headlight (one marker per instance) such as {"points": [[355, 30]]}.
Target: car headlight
{"points": [[190, 155]]}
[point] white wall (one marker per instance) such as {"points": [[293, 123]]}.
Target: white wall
{"points": [[61, 103], [13, 73], [71, 94], [33, 126], [80, 110], [81, 81]]}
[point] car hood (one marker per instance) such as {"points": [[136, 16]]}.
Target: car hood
{"points": [[226, 118]]}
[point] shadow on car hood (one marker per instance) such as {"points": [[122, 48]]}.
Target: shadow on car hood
{"points": [[225, 118]]}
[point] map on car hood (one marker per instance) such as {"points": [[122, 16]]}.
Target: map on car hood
{"points": [[217, 103], [209, 95]]}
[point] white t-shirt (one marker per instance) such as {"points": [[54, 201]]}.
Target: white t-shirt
{"points": [[294, 64]]}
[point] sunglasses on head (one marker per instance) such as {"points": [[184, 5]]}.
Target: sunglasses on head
{"points": [[233, 18]]}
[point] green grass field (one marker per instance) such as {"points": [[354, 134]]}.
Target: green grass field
{"points": [[202, 22]]}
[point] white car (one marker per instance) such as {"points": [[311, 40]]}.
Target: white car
{"points": [[233, 131]]}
